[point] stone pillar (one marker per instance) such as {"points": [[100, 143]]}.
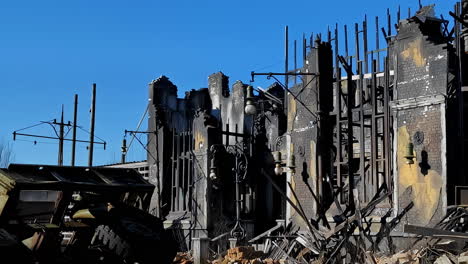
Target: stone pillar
{"points": [[200, 250]]}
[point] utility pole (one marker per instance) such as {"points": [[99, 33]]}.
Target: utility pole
{"points": [[124, 150], [60, 134], [91, 134], [75, 113], [61, 137]]}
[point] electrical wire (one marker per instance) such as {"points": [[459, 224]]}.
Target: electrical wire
{"points": [[35, 142], [138, 127], [103, 141], [145, 147], [41, 123]]}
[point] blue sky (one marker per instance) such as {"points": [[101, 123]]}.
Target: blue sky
{"points": [[50, 50]]}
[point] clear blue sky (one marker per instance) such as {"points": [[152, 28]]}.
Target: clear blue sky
{"points": [[50, 50]]}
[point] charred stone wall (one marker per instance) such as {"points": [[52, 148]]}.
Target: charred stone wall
{"points": [[421, 59], [309, 131]]}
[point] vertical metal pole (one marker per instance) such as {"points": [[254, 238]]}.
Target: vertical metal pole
{"points": [[389, 23], [377, 41], [178, 171], [61, 136], [349, 113], [124, 150], [304, 49], [361, 130], [358, 58], [286, 56], [338, 157], [366, 56], [75, 117], [337, 61], [399, 14], [461, 48], [346, 44], [91, 134], [374, 127], [386, 126], [409, 12], [295, 61], [184, 152], [174, 175]]}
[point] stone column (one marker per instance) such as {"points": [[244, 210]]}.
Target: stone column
{"points": [[200, 250]]}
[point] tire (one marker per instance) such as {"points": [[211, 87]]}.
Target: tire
{"points": [[106, 237]]}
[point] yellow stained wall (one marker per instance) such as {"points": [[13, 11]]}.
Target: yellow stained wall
{"points": [[426, 189]]}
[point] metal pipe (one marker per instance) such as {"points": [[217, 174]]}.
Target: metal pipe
{"points": [[91, 134], [75, 115]]}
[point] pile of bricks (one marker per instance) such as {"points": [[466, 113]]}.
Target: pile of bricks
{"points": [[244, 255]]}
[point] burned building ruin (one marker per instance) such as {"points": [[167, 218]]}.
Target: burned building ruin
{"points": [[342, 131]]}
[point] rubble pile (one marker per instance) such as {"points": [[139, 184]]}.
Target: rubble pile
{"points": [[183, 258], [245, 255], [350, 239]]}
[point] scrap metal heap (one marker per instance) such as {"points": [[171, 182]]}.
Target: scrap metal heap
{"points": [[58, 214]]}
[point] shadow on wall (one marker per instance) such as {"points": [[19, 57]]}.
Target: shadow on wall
{"points": [[424, 165]]}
